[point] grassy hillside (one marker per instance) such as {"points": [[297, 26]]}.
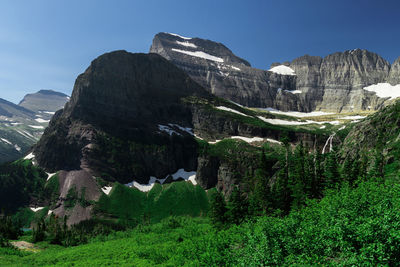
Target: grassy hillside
{"points": [[349, 226], [132, 206]]}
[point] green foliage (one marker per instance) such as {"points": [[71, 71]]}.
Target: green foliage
{"points": [[19, 183], [348, 227], [132, 206], [8, 230], [218, 209], [71, 198]]}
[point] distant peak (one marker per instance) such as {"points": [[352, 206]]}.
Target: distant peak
{"points": [[51, 92]]}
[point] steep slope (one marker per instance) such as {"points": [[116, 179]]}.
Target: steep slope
{"points": [[376, 140], [133, 118], [217, 69], [16, 136], [336, 83], [22, 125]]}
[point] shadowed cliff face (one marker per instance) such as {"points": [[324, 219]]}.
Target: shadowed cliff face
{"points": [[334, 83], [113, 118]]}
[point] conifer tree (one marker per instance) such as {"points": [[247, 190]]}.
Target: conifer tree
{"points": [[331, 172], [237, 207], [218, 209]]}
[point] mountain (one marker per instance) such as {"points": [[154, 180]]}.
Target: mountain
{"points": [[44, 101], [217, 69], [22, 125], [340, 82], [137, 119]]}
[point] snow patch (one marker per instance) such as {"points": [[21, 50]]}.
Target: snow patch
{"points": [[199, 54], [180, 36], [40, 120], [49, 175], [384, 90], [274, 141], [5, 141], [181, 173], [247, 139], [283, 70], [30, 156], [187, 176], [285, 122], [49, 212], [106, 190], [36, 127], [49, 112], [297, 113], [356, 117], [36, 209], [322, 127], [17, 147], [293, 91], [342, 128], [187, 44], [231, 110]]}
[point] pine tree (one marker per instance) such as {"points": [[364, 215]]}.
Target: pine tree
{"points": [[218, 209], [237, 207], [297, 177], [331, 172]]}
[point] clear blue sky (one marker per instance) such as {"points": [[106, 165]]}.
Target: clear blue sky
{"points": [[45, 44]]}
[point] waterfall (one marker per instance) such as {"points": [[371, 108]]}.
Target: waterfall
{"points": [[328, 142]]}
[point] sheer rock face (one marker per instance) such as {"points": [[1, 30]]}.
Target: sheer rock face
{"points": [[123, 96], [334, 83], [394, 74], [217, 69]]}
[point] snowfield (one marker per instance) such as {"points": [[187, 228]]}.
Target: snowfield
{"points": [[384, 90], [36, 209], [187, 44], [181, 173], [248, 139], [199, 54], [30, 156], [356, 117], [40, 120], [293, 92], [180, 36], [283, 70], [106, 190], [231, 110], [285, 122], [5, 141], [36, 127], [297, 113], [49, 175]]}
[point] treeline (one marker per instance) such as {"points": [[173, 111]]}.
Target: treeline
{"points": [[19, 183], [56, 231], [300, 174]]}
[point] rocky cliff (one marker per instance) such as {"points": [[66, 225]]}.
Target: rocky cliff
{"points": [[335, 83], [217, 69]]}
